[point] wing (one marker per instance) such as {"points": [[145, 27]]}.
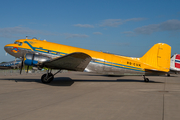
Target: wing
{"points": [[75, 61]]}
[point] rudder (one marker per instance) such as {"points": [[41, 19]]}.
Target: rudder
{"points": [[158, 57]]}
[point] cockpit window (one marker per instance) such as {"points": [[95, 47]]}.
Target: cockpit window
{"points": [[20, 44]]}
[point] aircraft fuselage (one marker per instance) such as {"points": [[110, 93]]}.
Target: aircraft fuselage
{"points": [[103, 63]]}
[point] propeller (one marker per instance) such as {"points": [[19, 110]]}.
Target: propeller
{"points": [[22, 65], [14, 63]]}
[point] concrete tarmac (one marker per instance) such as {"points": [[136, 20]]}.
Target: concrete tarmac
{"points": [[85, 96]]}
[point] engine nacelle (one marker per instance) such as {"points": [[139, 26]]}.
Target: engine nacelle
{"points": [[34, 60]]}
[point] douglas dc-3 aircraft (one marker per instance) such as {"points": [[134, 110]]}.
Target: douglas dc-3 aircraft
{"points": [[41, 53]]}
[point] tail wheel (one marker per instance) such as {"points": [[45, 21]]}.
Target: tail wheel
{"points": [[146, 80], [47, 78]]}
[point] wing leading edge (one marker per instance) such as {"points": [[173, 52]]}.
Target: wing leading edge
{"points": [[76, 61]]}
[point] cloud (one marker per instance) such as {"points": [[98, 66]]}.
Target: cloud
{"points": [[169, 25], [135, 19], [14, 32], [97, 33], [85, 25], [122, 44], [17, 30], [8, 36], [69, 35], [129, 33], [112, 22], [117, 22], [147, 29]]}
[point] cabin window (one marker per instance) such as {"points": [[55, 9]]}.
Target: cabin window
{"points": [[49, 51], [57, 53], [93, 60]]}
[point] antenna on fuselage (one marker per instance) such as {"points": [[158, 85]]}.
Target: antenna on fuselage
{"points": [[34, 38]]}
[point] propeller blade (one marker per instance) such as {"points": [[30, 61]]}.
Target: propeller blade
{"points": [[22, 64], [27, 68]]}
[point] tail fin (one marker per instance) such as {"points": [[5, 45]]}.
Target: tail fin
{"points": [[158, 57], [175, 62]]}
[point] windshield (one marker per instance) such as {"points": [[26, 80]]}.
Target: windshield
{"points": [[19, 43]]}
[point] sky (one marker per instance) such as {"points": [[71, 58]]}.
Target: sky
{"points": [[124, 27]]}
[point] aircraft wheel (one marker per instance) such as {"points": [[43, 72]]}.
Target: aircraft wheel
{"points": [[146, 80], [47, 79]]}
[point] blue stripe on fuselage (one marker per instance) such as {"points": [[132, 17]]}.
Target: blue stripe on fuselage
{"points": [[96, 60]]}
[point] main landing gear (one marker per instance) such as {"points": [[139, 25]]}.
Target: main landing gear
{"points": [[145, 79], [48, 77]]}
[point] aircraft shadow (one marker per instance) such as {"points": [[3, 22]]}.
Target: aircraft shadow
{"points": [[101, 75], [22, 80], [66, 81], [118, 80], [171, 76], [61, 81]]}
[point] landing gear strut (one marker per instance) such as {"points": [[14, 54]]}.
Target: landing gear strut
{"points": [[48, 77], [145, 79]]}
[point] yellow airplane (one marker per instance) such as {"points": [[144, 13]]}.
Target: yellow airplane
{"points": [[41, 53]]}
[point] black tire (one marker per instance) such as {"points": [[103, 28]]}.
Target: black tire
{"points": [[168, 75], [44, 80], [146, 80]]}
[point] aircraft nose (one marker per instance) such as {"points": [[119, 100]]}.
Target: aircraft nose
{"points": [[7, 49], [13, 50]]}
